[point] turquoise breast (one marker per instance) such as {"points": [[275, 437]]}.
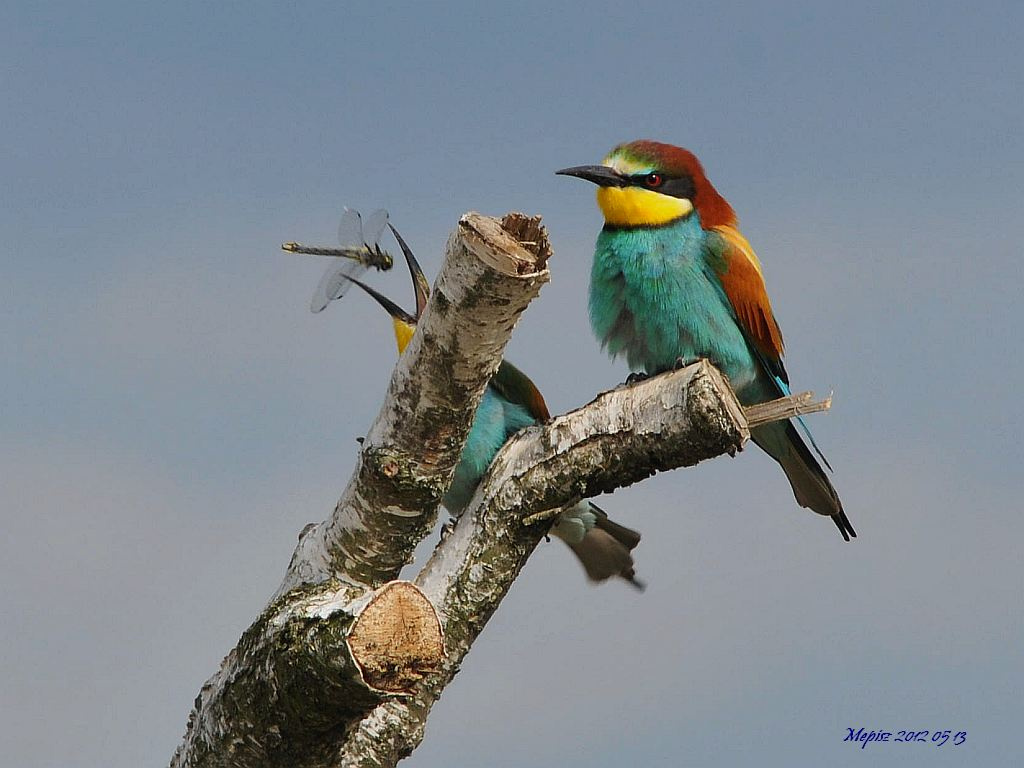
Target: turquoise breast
{"points": [[654, 299]]}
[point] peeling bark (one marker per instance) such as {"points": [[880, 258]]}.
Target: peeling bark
{"points": [[672, 420], [292, 683], [291, 686], [409, 455], [343, 666]]}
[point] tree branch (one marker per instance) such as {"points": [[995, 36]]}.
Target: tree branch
{"points": [[343, 666], [293, 682], [785, 408], [409, 455], [672, 420]]}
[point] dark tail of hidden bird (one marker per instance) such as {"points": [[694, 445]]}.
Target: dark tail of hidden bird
{"points": [[605, 550]]}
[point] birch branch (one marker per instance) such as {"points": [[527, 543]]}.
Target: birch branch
{"points": [[409, 455], [343, 666], [672, 420], [785, 408], [298, 677]]}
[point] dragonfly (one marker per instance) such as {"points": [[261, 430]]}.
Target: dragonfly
{"points": [[360, 249]]}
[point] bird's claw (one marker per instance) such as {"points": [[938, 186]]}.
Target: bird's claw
{"points": [[636, 376]]}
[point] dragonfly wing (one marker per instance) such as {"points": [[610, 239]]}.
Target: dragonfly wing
{"points": [[335, 282], [374, 227], [357, 240], [350, 229]]}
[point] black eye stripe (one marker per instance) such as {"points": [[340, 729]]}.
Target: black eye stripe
{"points": [[674, 186]]}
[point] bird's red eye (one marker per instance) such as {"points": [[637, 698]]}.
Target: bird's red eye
{"points": [[653, 180]]}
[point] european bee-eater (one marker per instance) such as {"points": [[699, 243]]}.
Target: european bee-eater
{"points": [[674, 280], [510, 403]]}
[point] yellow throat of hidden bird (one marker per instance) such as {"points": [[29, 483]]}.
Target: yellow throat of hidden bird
{"points": [[403, 333]]}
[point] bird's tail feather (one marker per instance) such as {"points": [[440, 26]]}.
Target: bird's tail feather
{"points": [[811, 485], [627, 537], [605, 549]]}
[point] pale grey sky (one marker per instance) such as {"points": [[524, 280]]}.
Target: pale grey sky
{"points": [[173, 414]]}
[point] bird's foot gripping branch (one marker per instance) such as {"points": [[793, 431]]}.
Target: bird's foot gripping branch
{"points": [[343, 666]]}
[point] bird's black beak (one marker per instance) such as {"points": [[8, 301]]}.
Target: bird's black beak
{"points": [[389, 306], [601, 175], [419, 282]]}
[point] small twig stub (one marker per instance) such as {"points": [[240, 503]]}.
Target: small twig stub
{"points": [[785, 408]]}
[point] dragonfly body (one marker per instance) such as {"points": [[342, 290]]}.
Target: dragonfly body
{"points": [[511, 402], [359, 251], [376, 258]]}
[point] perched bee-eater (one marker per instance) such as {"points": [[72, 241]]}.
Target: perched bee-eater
{"points": [[674, 280], [510, 403]]}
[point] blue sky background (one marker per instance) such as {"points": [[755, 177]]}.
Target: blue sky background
{"points": [[173, 414]]}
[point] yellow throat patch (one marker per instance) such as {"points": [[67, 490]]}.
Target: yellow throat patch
{"points": [[403, 333], [635, 206]]}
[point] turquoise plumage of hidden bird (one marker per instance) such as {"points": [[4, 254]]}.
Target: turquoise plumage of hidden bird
{"points": [[510, 403], [674, 280]]}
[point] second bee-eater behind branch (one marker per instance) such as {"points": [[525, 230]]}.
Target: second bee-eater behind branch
{"points": [[673, 280], [510, 403]]}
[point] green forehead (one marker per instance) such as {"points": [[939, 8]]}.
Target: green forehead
{"points": [[626, 159]]}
